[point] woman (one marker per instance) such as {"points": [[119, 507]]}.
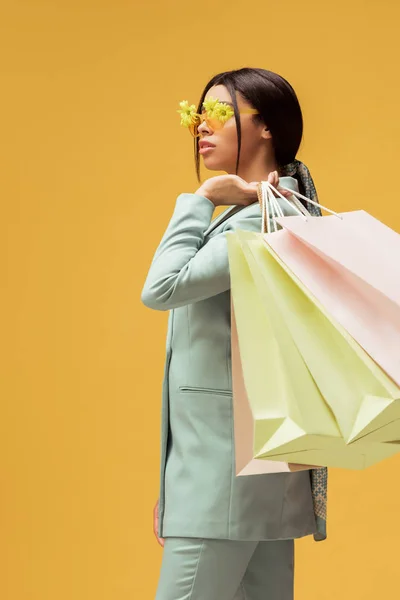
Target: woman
{"points": [[224, 537]]}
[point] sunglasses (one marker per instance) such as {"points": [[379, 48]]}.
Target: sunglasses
{"points": [[214, 113]]}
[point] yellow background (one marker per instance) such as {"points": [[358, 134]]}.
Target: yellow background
{"points": [[92, 159]]}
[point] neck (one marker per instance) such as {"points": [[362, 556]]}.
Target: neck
{"points": [[257, 170]]}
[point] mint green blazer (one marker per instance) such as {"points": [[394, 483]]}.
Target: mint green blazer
{"points": [[200, 495]]}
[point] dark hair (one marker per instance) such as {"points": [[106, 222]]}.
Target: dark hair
{"points": [[276, 102]]}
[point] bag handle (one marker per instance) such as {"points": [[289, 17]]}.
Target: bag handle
{"points": [[271, 209]]}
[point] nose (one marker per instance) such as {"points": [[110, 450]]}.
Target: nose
{"points": [[203, 128]]}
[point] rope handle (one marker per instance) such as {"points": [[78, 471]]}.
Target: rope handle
{"points": [[271, 209]]}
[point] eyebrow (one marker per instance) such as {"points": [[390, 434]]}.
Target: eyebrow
{"points": [[226, 102]]}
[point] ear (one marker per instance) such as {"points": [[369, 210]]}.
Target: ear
{"points": [[266, 134]]}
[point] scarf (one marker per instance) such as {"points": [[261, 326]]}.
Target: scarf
{"points": [[299, 171]]}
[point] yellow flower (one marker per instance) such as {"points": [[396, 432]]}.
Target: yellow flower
{"points": [[187, 113], [209, 105], [223, 111]]}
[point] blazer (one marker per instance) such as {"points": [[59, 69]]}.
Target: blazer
{"points": [[200, 495]]}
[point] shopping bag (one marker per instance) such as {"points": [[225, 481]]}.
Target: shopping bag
{"points": [[351, 264], [245, 463], [291, 418], [347, 298], [253, 424]]}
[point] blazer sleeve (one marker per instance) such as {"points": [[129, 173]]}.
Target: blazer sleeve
{"points": [[183, 270]]}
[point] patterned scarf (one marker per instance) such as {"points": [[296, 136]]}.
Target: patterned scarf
{"points": [[319, 477], [299, 171]]}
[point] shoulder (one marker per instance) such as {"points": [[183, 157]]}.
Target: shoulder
{"points": [[247, 212], [253, 211]]}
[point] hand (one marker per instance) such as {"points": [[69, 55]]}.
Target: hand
{"points": [[155, 525], [232, 189]]}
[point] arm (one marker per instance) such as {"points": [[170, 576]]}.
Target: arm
{"points": [[182, 271]]}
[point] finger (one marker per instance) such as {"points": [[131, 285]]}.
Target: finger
{"points": [[285, 193], [273, 178]]}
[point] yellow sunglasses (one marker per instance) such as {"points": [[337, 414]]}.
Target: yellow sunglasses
{"points": [[215, 113]]}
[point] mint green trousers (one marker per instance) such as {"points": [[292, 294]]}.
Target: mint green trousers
{"points": [[208, 569]]}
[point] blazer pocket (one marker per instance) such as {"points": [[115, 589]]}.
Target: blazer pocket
{"points": [[202, 390]]}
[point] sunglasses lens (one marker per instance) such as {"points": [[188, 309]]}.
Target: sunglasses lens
{"points": [[215, 123], [211, 122]]}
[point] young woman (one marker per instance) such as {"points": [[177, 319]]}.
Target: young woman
{"points": [[224, 537]]}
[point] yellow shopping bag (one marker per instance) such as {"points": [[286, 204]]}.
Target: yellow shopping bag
{"points": [[316, 397]]}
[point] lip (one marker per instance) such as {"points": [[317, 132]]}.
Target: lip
{"points": [[206, 149], [203, 144]]}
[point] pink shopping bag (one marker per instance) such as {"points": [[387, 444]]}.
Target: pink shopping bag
{"points": [[351, 264]]}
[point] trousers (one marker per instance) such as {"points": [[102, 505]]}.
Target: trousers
{"points": [[215, 569]]}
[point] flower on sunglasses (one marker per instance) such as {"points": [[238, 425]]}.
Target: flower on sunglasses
{"points": [[223, 111], [214, 109], [209, 105], [187, 113]]}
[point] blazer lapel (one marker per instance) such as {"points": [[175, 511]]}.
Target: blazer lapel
{"points": [[222, 217]]}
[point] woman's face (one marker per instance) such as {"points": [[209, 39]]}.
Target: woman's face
{"points": [[223, 154]]}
